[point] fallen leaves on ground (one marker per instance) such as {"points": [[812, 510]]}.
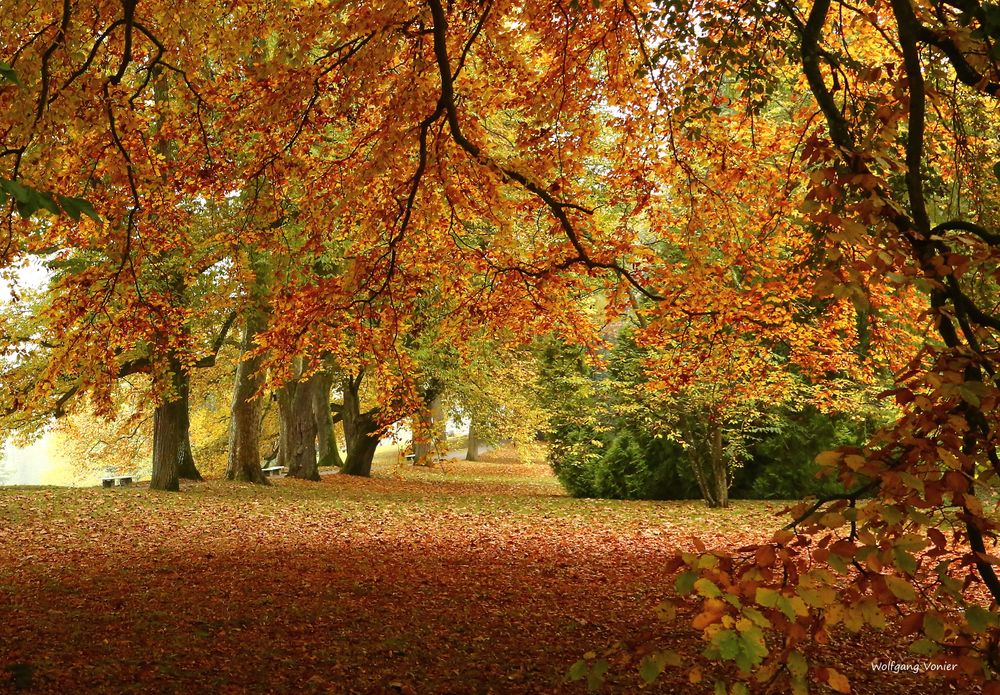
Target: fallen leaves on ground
{"points": [[466, 578]]}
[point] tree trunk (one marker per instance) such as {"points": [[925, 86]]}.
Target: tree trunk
{"points": [[423, 437], [360, 432], [188, 471], [298, 430], [326, 437], [244, 427], [696, 460], [361, 449], [472, 452], [431, 427], [282, 456], [172, 458], [720, 477], [169, 434]]}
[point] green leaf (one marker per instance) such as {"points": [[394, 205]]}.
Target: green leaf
{"points": [[595, 679], [769, 598], [756, 617], [21, 194], [728, 642], [904, 561], [996, 170], [745, 648], [74, 207], [900, 588], [650, 669], [707, 588], [577, 671], [934, 627], [837, 563], [45, 202], [980, 619], [797, 664], [652, 666], [924, 647], [766, 597], [969, 396], [7, 73], [685, 582]]}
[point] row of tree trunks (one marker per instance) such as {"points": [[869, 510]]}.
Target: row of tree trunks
{"points": [[307, 438]]}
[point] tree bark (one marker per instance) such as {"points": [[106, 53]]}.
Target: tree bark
{"points": [[472, 451], [172, 458], [188, 471], [244, 427], [431, 426], [326, 438], [696, 459], [298, 432], [720, 474], [423, 433], [360, 431], [170, 424], [361, 450]]}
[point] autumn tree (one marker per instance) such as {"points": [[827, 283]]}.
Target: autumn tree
{"points": [[893, 191], [504, 158]]}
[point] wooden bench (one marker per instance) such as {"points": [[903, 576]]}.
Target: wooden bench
{"points": [[410, 458], [272, 470], [118, 480]]}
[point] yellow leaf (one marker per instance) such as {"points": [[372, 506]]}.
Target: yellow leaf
{"points": [[838, 681]]}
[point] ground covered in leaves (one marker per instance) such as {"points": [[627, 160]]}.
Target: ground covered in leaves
{"points": [[467, 578]]}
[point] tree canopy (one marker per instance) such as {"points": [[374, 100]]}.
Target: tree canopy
{"points": [[790, 200]]}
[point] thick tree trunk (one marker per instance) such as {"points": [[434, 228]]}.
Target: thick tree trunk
{"points": [[170, 423], [360, 432], [297, 447], [361, 447], [472, 451], [244, 427], [326, 438]]}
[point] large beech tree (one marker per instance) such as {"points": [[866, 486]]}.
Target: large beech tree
{"points": [[896, 148]]}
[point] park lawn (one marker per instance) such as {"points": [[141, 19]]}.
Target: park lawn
{"points": [[465, 578]]}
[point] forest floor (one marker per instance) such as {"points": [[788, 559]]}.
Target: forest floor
{"points": [[464, 578]]}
